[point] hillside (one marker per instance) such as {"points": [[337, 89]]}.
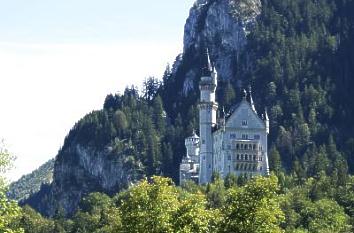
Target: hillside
{"points": [[31, 183], [299, 59]]}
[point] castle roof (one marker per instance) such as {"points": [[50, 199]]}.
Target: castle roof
{"points": [[235, 112], [193, 136]]}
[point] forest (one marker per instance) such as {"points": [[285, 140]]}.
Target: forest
{"points": [[299, 59]]}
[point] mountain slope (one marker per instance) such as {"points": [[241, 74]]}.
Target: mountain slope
{"points": [[31, 183]]}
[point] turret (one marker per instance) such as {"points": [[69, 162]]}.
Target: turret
{"points": [[266, 121], [251, 99], [207, 118], [192, 146]]}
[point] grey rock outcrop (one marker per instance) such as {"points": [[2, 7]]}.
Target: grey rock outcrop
{"points": [[222, 26], [80, 170]]}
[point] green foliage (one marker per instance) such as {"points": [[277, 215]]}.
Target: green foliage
{"points": [[315, 213], [9, 210], [294, 48], [149, 207], [262, 204], [33, 222], [253, 208], [192, 216], [97, 214]]}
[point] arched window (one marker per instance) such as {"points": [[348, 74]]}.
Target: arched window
{"points": [[237, 146], [238, 157], [241, 156], [246, 157]]}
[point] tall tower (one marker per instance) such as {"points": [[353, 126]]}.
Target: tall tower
{"points": [[207, 119]]}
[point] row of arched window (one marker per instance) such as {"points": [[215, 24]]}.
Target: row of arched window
{"points": [[241, 146], [246, 167], [246, 157]]}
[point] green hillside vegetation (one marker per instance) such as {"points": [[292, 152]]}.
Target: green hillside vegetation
{"points": [[299, 60], [10, 212], [31, 183], [259, 205]]}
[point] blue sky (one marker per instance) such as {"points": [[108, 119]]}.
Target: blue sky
{"points": [[91, 21], [59, 59]]}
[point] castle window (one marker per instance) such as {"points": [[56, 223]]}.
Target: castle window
{"points": [[237, 146], [257, 137], [238, 157], [254, 157], [241, 157], [254, 146], [246, 157], [244, 123], [244, 136]]}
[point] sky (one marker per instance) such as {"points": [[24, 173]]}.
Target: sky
{"points": [[59, 60]]}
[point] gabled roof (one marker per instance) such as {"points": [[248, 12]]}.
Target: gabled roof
{"points": [[244, 111]]}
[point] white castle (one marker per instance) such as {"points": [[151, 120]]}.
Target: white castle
{"points": [[237, 144]]}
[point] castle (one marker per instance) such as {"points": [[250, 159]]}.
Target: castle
{"points": [[236, 144]]}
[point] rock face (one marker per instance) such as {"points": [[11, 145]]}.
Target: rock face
{"points": [[93, 171], [222, 26], [79, 171]]}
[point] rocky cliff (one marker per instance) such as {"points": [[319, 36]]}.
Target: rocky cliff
{"points": [[222, 26], [80, 170]]}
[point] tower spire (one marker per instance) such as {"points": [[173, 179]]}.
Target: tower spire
{"points": [[251, 99], [244, 94], [266, 120], [208, 68]]}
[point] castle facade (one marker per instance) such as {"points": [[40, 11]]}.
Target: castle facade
{"points": [[235, 144]]}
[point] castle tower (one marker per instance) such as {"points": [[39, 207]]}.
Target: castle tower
{"points": [[189, 168], [192, 146], [207, 119]]}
